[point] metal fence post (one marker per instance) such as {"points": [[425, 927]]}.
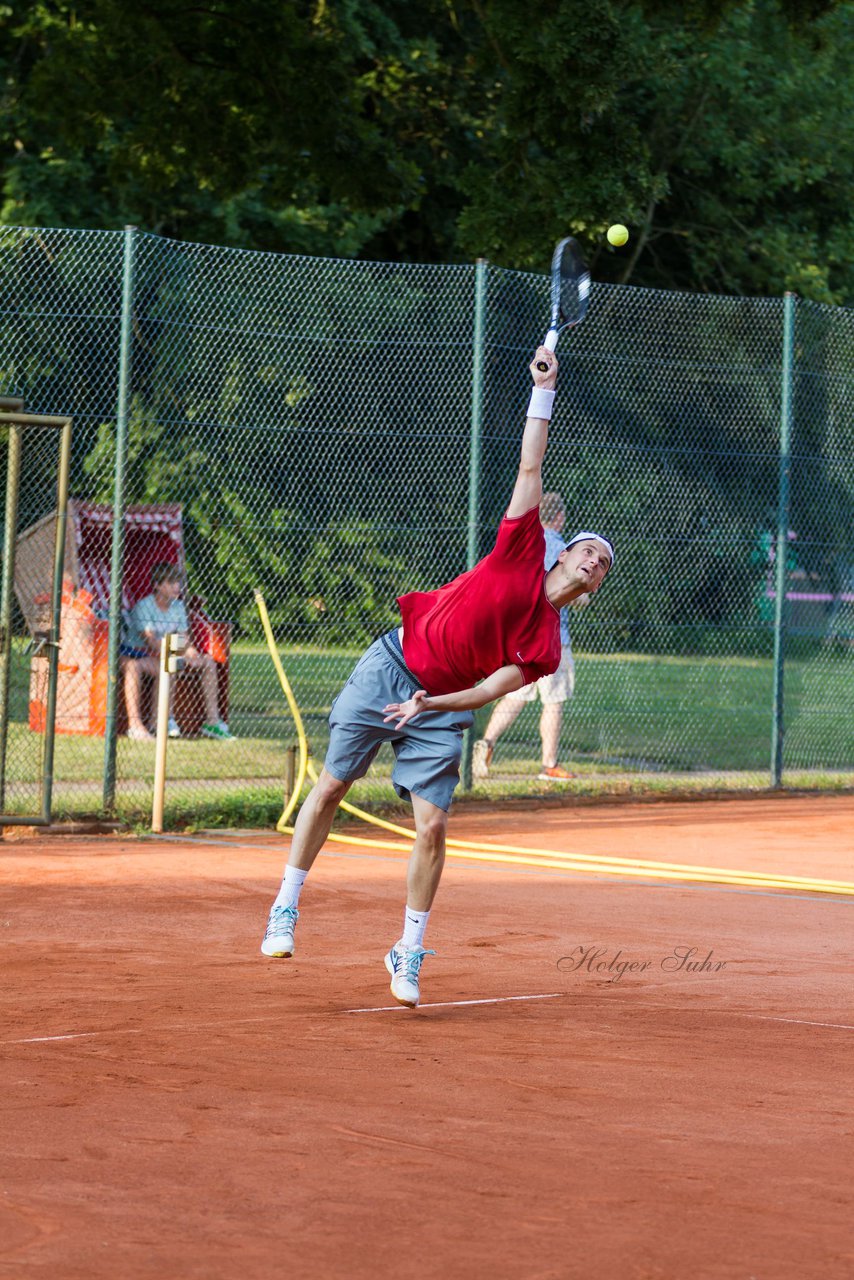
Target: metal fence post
{"points": [[13, 477], [42, 640], [116, 566], [473, 540], [782, 552], [56, 616]]}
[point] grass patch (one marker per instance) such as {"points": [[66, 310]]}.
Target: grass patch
{"points": [[639, 724]]}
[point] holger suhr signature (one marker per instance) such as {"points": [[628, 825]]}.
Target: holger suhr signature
{"points": [[614, 965]]}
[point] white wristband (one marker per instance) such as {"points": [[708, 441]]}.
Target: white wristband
{"points": [[541, 403]]}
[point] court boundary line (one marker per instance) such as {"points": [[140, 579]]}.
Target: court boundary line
{"points": [[453, 1004], [441, 1004], [801, 1022], [138, 1031]]}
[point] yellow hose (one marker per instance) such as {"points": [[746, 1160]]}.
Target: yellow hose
{"points": [[582, 863], [295, 712]]}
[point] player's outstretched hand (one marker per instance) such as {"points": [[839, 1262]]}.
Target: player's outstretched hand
{"points": [[403, 712], [546, 379]]}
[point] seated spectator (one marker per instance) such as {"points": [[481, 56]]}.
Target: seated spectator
{"points": [[150, 619]]}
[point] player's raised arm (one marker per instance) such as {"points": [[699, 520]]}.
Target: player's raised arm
{"points": [[529, 482]]}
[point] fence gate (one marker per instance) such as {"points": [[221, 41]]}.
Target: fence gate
{"points": [[35, 454]]}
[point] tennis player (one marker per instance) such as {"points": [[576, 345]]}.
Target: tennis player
{"points": [[489, 632]]}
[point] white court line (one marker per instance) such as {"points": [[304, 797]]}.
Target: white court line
{"points": [[754, 1017], [399, 1008], [454, 1004], [76, 1035], [386, 1008], [138, 1031], [801, 1022]]}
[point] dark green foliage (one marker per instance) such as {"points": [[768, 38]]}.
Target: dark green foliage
{"points": [[719, 132]]}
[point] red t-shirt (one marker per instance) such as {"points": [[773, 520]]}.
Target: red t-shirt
{"points": [[492, 616]]}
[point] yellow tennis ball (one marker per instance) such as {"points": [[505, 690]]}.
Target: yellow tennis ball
{"points": [[617, 234]]}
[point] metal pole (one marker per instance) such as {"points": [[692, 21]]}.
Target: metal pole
{"points": [[781, 573], [13, 476], [56, 617], [50, 641], [163, 692], [290, 772], [475, 450], [475, 447], [117, 563]]}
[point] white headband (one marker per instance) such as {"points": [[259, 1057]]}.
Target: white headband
{"points": [[597, 537]]}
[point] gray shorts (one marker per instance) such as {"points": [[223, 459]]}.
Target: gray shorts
{"points": [[427, 750]]}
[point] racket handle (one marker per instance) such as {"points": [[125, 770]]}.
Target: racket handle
{"points": [[549, 342]]}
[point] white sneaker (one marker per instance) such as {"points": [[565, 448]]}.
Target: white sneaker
{"points": [[279, 938], [139, 733], [481, 759], [404, 965], [173, 730]]}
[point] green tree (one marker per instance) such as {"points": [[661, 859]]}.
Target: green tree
{"points": [[726, 149], [717, 130], [275, 123]]}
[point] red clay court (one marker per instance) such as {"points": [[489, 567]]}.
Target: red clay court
{"points": [[609, 1077]]}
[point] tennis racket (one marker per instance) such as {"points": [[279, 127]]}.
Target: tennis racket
{"points": [[570, 291]]}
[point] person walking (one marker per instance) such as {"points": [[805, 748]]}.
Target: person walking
{"points": [[553, 690]]}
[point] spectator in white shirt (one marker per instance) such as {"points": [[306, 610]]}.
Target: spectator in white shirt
{"points": [[553, 690]]}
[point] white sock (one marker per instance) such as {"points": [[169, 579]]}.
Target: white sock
{"points": [[414, 927], [291, 885]]}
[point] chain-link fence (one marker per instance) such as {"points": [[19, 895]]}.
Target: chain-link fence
{"points": [[36, 457], [333, 433]]}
